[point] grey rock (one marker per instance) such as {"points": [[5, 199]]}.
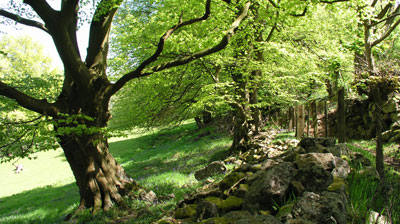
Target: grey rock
{"points": [[148, 196], [376, 218], [269, 188], [205, 210], [244, 217], [324, 208], [316, 144], [216, 167], [342, 168], [314, 178], [324, 160], [337, 150]]}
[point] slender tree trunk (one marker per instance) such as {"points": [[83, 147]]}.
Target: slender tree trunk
{"points": [[199, 122], [290, 119], [300, 121], [315, 117], [326, 118], [376, 93], [308, 120], [341, 116], [379, 143]]}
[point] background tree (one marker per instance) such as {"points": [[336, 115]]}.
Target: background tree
{"points": [[81, 110], [379, 19], [24, 66]]}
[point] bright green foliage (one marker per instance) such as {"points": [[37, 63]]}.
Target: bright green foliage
{"points": [[178, 93], [24, 67], [300, 55]]}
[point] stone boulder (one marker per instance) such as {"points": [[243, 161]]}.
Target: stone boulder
{"points": [[149, 196], [205, 210], [230, 180], [323, 208], [313, 177], [324, 160], [342, 168], [376, 218], [316, 144], [216, 167], [242, 217], [270, 186]]}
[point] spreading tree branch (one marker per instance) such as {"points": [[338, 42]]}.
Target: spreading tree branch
{"points": [[385, 19], [44, 10], [332, 2], [22, 20], [69, 8], [99, 34], [274, 4], [28, 102], [384, 11], [301, 14], [386, 34], [138, 72]]}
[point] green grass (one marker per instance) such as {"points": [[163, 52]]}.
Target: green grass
{"points": [[163, 161], [50, 168], [365, 189]]}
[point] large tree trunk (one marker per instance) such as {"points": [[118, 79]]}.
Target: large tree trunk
{"points": [[242, 126], [241, 138], [100, 179]]}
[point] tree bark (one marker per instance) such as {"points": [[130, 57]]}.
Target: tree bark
{"points": [[242, 127], [100, 179], [314, 112], [290, 119], [308, 119], [86, 92], [380, 167], [326, 118], [300, 121]]}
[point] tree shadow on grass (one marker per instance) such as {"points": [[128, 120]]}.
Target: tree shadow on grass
{"points": [[41, 205], [170, 157], [164, 161]]}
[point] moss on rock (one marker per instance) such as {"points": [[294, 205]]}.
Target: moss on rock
{"points": [[230, 180], [338, 185], [231, 203], [186, 212], [216, 220], [242, 190], [217, 201]]}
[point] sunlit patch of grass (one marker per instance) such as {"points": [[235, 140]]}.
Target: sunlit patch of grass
{"points": [[162, 160], [283, 136], [50, 168]]}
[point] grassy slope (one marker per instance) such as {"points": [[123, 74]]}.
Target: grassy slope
{"points": [[50, 168], [162, 161]]}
